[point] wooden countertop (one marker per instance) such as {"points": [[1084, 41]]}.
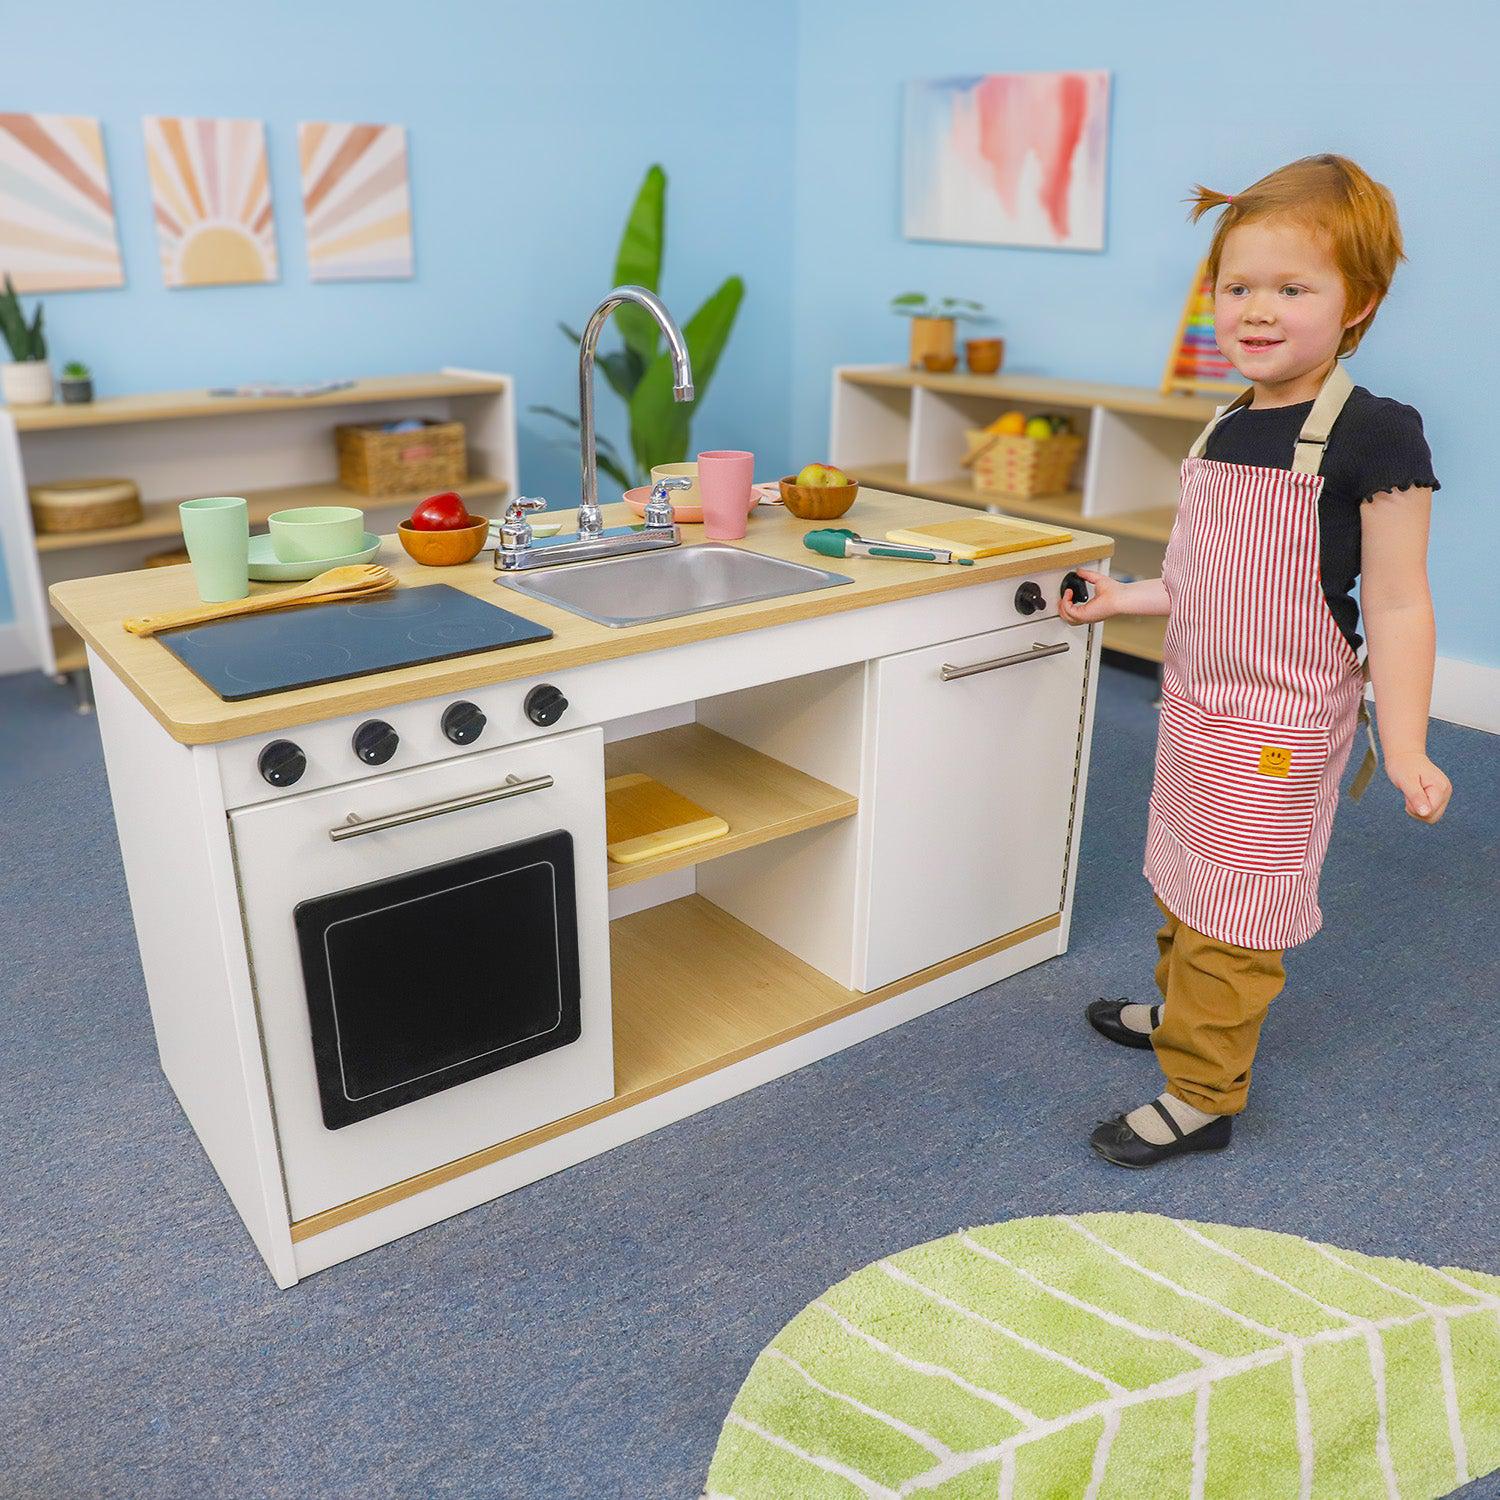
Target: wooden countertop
{"points": [[194, 715]]}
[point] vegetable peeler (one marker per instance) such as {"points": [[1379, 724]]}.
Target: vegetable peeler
{"points": [[839, 541]]}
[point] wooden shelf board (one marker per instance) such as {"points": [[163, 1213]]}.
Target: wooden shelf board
{"points": [[68, 649], [160, 518], [695, 990], [759, 797], [165, 406], [1045, 389], [1063, 509]]}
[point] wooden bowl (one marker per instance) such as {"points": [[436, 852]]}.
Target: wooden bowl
{"points": [[443, 549], [817, 502]]}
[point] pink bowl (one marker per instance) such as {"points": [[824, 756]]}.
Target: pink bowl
{"points": [[682, 512]]}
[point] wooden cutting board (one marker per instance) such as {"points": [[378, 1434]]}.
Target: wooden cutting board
{"points": [[643, 818], [981, 536]]}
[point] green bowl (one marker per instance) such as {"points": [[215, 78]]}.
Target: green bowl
{"points": [[313, 532]]}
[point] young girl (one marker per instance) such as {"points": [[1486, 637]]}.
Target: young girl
{"points": [[1299, 486]]}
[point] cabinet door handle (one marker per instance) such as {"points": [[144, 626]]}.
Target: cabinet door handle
{"points": [[515, 786], [1036, 653]]}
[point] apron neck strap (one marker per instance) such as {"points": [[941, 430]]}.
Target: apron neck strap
{"points": [[1312, 440]]}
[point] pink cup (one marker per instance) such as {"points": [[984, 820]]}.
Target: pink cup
{"points": [[725, 476]]}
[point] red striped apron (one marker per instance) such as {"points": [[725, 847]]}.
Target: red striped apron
{"points": [[1261, 696]]}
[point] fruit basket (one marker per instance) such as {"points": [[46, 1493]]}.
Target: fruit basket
{"points": [[1014, 466], [375, 461]]}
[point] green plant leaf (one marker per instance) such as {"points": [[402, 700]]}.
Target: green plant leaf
{"points": [[660, 427], [38, 341], [623, 369], [638, 263], [602, 445], [910, 299], [572, 333], [1125, 1355]]}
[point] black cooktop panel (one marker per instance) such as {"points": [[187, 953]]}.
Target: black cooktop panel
{"points": [[317, 643]]}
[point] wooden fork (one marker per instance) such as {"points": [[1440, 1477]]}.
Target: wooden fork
{"points": [[337, 583]]}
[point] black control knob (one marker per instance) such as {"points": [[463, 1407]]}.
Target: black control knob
{"points": [[1079, 586], [544, 704], [463, 723], [282, 763], [1029, 598], [375, 742]]}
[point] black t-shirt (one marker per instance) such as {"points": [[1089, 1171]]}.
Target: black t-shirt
{"points": [[1376, 444]]}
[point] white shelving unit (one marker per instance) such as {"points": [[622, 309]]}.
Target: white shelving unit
{"points": [[276, 451], [903, 430]]}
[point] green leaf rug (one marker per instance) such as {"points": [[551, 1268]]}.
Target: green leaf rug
{"points": [[1124, 1357]]}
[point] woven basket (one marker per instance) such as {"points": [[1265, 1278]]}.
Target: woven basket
{"points": [[1019, 467], [372, 462], [84, 504]]}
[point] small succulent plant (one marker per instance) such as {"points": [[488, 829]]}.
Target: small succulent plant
{"points": [[75, 369], [25, 343]]}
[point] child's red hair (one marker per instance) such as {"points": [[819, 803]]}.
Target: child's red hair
{"points": [[1333, 197]]}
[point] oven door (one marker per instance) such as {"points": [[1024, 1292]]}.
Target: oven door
{"points": [[431, 964]]}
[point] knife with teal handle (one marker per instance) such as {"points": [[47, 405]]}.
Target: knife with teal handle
{"points": [[839, 541]]}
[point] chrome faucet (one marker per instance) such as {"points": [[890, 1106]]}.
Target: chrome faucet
{"points": [[517, 547], [589, 519]]}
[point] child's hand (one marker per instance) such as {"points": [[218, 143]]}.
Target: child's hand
{"points": [[1425, 787], [1106, 600]]}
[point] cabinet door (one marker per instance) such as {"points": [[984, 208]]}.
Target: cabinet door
{"points": [[971, 792]]}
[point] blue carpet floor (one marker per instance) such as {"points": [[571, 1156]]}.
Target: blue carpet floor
{"points": [[584, 1337]]}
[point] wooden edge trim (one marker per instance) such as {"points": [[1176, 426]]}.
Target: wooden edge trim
{"points": [[357, 1208]]}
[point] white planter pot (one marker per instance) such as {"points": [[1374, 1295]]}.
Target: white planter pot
{"points": [[26, 383]]}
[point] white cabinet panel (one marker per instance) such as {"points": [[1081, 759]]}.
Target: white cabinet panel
{"points": [[970, 789]]}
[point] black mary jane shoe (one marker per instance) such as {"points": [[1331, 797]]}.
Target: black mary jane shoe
{"points": [[1116, 1142], [1104, 1017]]}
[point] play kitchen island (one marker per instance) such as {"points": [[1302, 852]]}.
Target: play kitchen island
{"points": [[393, 971]]}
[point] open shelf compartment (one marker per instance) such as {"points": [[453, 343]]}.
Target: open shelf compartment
{"points": [[759, 797]]}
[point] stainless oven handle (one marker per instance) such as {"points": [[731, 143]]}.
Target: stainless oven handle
{"points": [[1036, 653], [515, 786]]}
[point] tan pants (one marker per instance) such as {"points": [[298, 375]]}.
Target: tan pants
{"points": [[1216, 997]]}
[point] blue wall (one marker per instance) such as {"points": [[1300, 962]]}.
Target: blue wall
{"points": [[1199, 93], [529, 128]]}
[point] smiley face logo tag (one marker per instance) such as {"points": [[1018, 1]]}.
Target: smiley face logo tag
{"points": [[1275, 760]]}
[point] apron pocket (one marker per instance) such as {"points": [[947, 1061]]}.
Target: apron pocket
{"points": [[1238, 792]]}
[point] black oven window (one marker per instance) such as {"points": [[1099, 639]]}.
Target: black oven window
{"points": [[431, 979]]}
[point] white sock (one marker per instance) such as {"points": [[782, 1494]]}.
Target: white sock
{"points": [[1142, 1018], [1150, 1126]]}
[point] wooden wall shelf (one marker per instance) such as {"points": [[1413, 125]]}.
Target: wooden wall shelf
{"points": [[277, 451], [759, 797]]}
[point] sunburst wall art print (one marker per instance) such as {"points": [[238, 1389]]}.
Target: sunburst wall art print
{"points": [[57, 218], [211, 194], [1007, 159], [356, 201]]}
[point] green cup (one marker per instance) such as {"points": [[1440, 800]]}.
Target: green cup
{"points": [[217, 533]]}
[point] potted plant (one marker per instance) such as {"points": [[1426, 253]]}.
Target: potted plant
{"points": [[27, 379], [639, 374], [77, 383], [932, 326]]}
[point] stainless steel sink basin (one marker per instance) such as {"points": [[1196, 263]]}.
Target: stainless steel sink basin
{"points": [[674, 581]]}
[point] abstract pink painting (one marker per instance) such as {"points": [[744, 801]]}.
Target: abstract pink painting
{"points": [[1007, 159]]}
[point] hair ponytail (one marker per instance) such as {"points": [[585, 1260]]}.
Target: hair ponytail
{"points": [[1205, 200]]}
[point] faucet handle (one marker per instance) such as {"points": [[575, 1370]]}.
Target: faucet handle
{"points": [[659, 508], [515, 530]]}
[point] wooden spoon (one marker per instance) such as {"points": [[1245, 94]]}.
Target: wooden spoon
{"points": [[337, 583]]}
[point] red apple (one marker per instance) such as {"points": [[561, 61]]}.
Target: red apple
{"points": [[445, 512]]}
